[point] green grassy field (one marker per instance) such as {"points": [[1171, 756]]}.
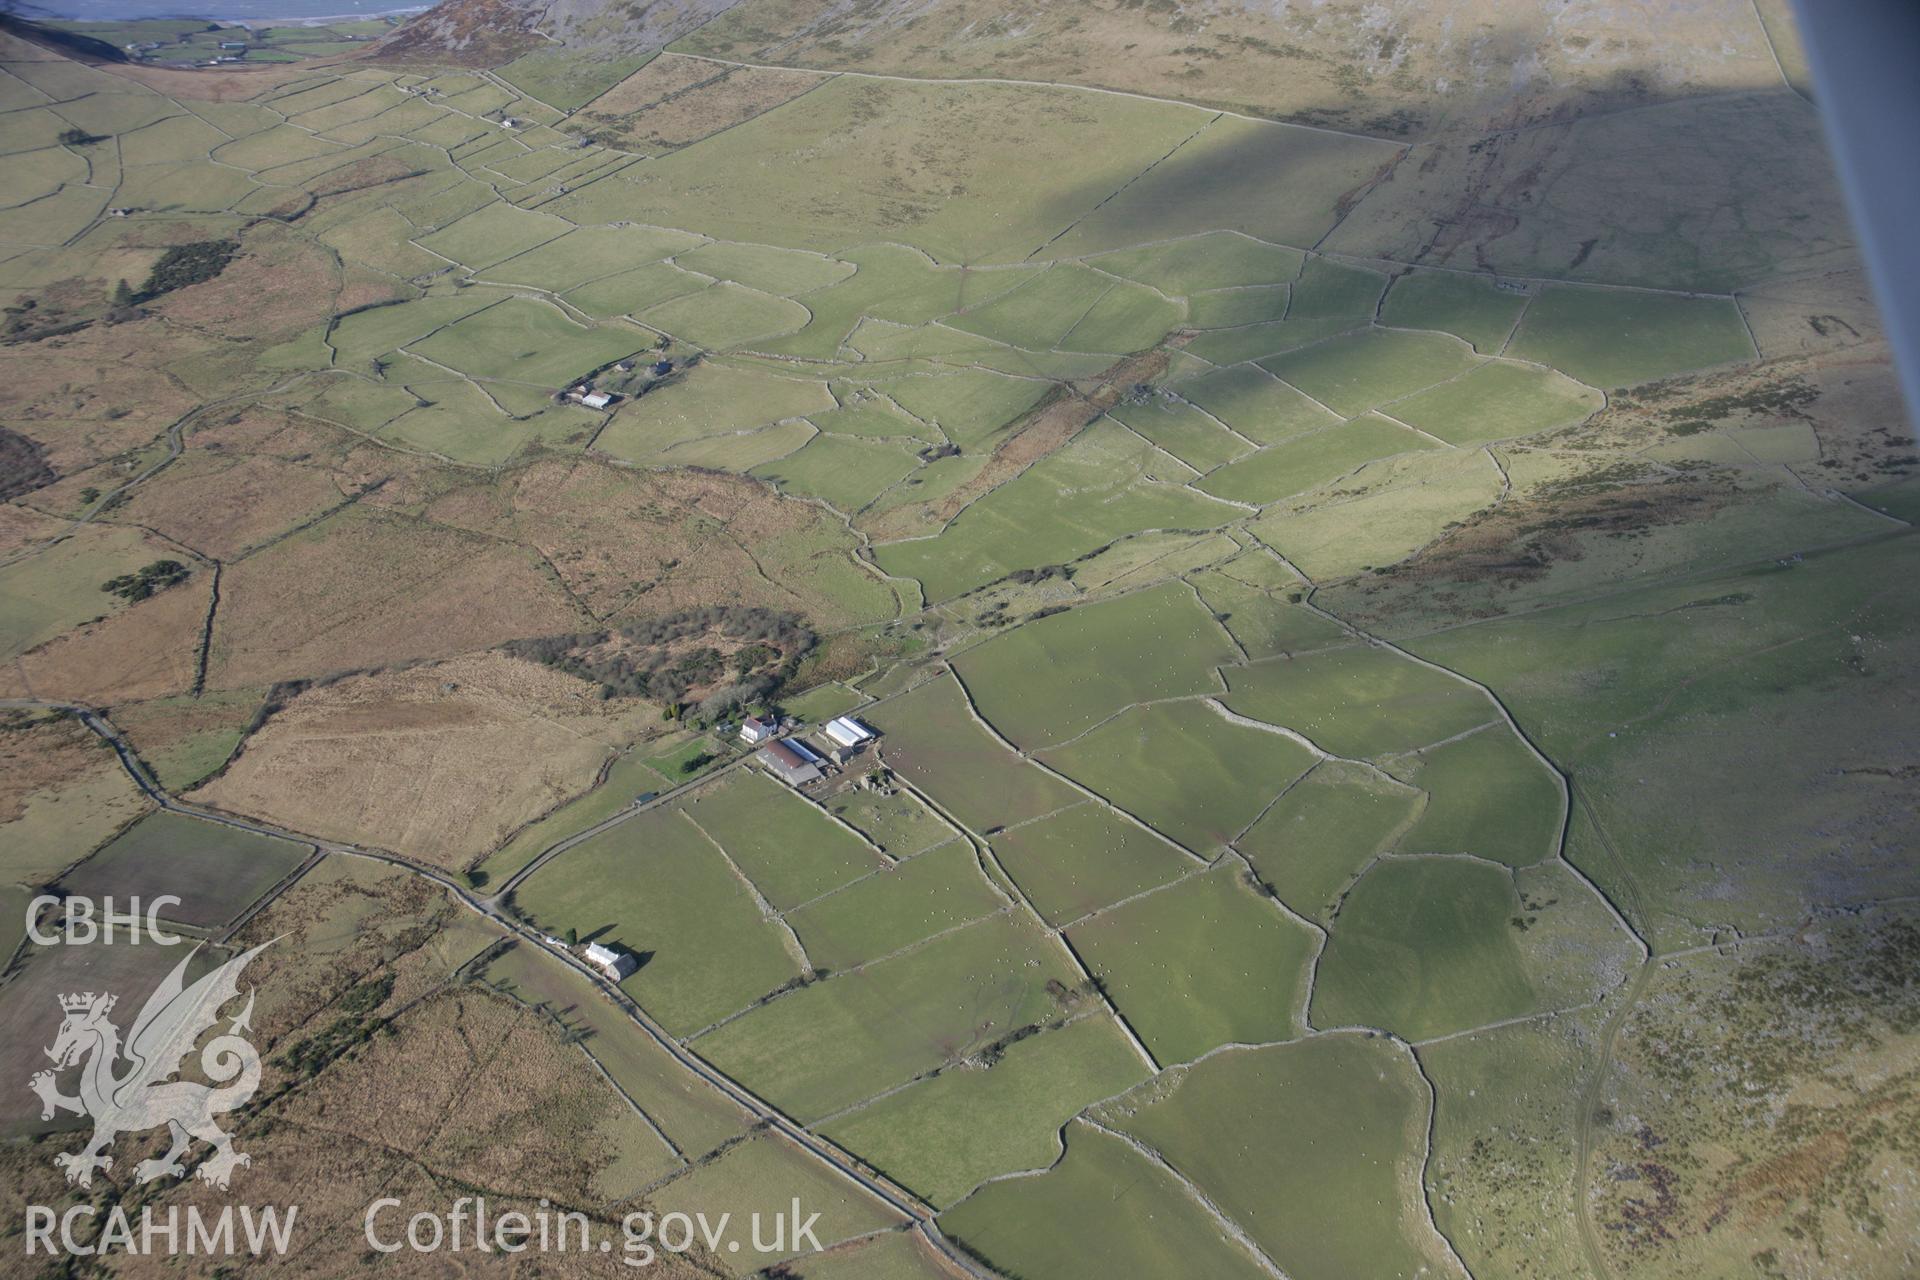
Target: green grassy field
{"points": [[1633, 711], [845, 474], [1227, 347], [738, 451], [182, 763], [1270, 181], [1618, 337], [361, 336], [900, 1255], [1364, 370], [1257, 405], [463, 422], [869, 415], [1329, 290], [945, 1136], [1358, 701], [493, 234], [897, 822], [1183, 430], [778, 271], [1498, 401], [522, 340], [657, 887], [1423, 947], [1320, 1185], [1232, 308], [1311, 460], [762, 1176], [1077, 500], [1142, 647], [1262, 619], [725, 315], [970, 405], [771, 181], [711, 400], [1131, 1216], [1523, 1214], [1204, 963], [378, 239], [855, 1034], [790, 850], [687, 761], [627, 292], [895, 907], [590, 253], [893, 283], [565, 78], [1040, 312], [1319, 835], [821, 702], [1487, 794], [933, 743], [1466, 306], [1085, 858], [1383, 515], [1125, 320], [1184, 769]]}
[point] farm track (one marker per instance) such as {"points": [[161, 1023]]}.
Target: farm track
{"points": [[894, 1197]]}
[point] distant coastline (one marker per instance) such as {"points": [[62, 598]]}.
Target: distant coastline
{"points": [[248, 13]]}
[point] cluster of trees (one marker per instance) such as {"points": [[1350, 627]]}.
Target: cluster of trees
{"points": [[654, 659], [148, 580], [181, 265], [28, 321], [186, 264], [1040, 574]]}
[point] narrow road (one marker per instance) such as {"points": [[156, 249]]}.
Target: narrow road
{"points": [[887, 1192], [498, 898], [1584, 1123]]}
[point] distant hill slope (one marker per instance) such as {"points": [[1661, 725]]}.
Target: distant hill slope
{"points": [[492, 32], [1408, 69], [81, 48]]}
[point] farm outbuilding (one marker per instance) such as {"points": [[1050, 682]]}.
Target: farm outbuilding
{"points": [[835, 752], [785, 762], [615, 964], [847, 732]]}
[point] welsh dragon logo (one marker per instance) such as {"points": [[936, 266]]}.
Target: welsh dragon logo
{"points": [[142, 1094]]}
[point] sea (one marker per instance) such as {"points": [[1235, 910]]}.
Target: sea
{"points": [[253, 12]]}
